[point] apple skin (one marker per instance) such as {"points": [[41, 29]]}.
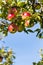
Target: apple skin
{"points": [[13, 10], [25, 15], [10, 16], [27, 23], [1, 58], [12, 28], [20, 28]]}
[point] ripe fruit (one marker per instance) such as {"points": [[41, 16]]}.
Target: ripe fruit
{"points": [[10, 16], [12, 28], [27, 22], [14, 10], [1, 58], [25, 15]]}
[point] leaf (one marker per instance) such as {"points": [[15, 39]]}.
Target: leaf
{"points": [[21, 4], [25, 31], [33, 1], [37, 6], [41, 1], [14, 57], [0, 2], [29, 30], [9, 1], [5, 32], [34, 63], [38, 63], [37, 30], [38, 33], [41, 35]]}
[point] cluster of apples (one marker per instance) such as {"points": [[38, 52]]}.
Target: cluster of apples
{"points": [[12, 14]]}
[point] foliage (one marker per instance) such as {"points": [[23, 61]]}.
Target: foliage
{"points": [[6, 56], [41, 61], [18, 15]]}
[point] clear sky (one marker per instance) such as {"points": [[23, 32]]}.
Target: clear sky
{"points": [[26, 47]]}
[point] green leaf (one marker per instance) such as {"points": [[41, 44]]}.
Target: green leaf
{"points": [[41, 1], [40, 35], [37, 6], [37, 33], [0, 2], [38, 63], [25, 31], [21, 4], [34, 63], [29, 30], [14, 57], [37, 30]]}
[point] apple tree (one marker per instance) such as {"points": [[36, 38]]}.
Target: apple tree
{"points": [[19, 15]]}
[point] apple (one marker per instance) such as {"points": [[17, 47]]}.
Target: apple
{"points": [[1, 58], [20, 28], [27, 23], [25, 15], [14, 10], [10, 16], [12, 28]]}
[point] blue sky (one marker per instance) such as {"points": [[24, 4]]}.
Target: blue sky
{"points": [[25, 46]]}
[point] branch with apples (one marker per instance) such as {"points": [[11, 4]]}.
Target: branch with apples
{"points": [[18, 16]]}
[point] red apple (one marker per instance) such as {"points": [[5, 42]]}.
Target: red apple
{"points": [[27, 22], [10, 16], [12, 28], [25, 15], [14, 10]]}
